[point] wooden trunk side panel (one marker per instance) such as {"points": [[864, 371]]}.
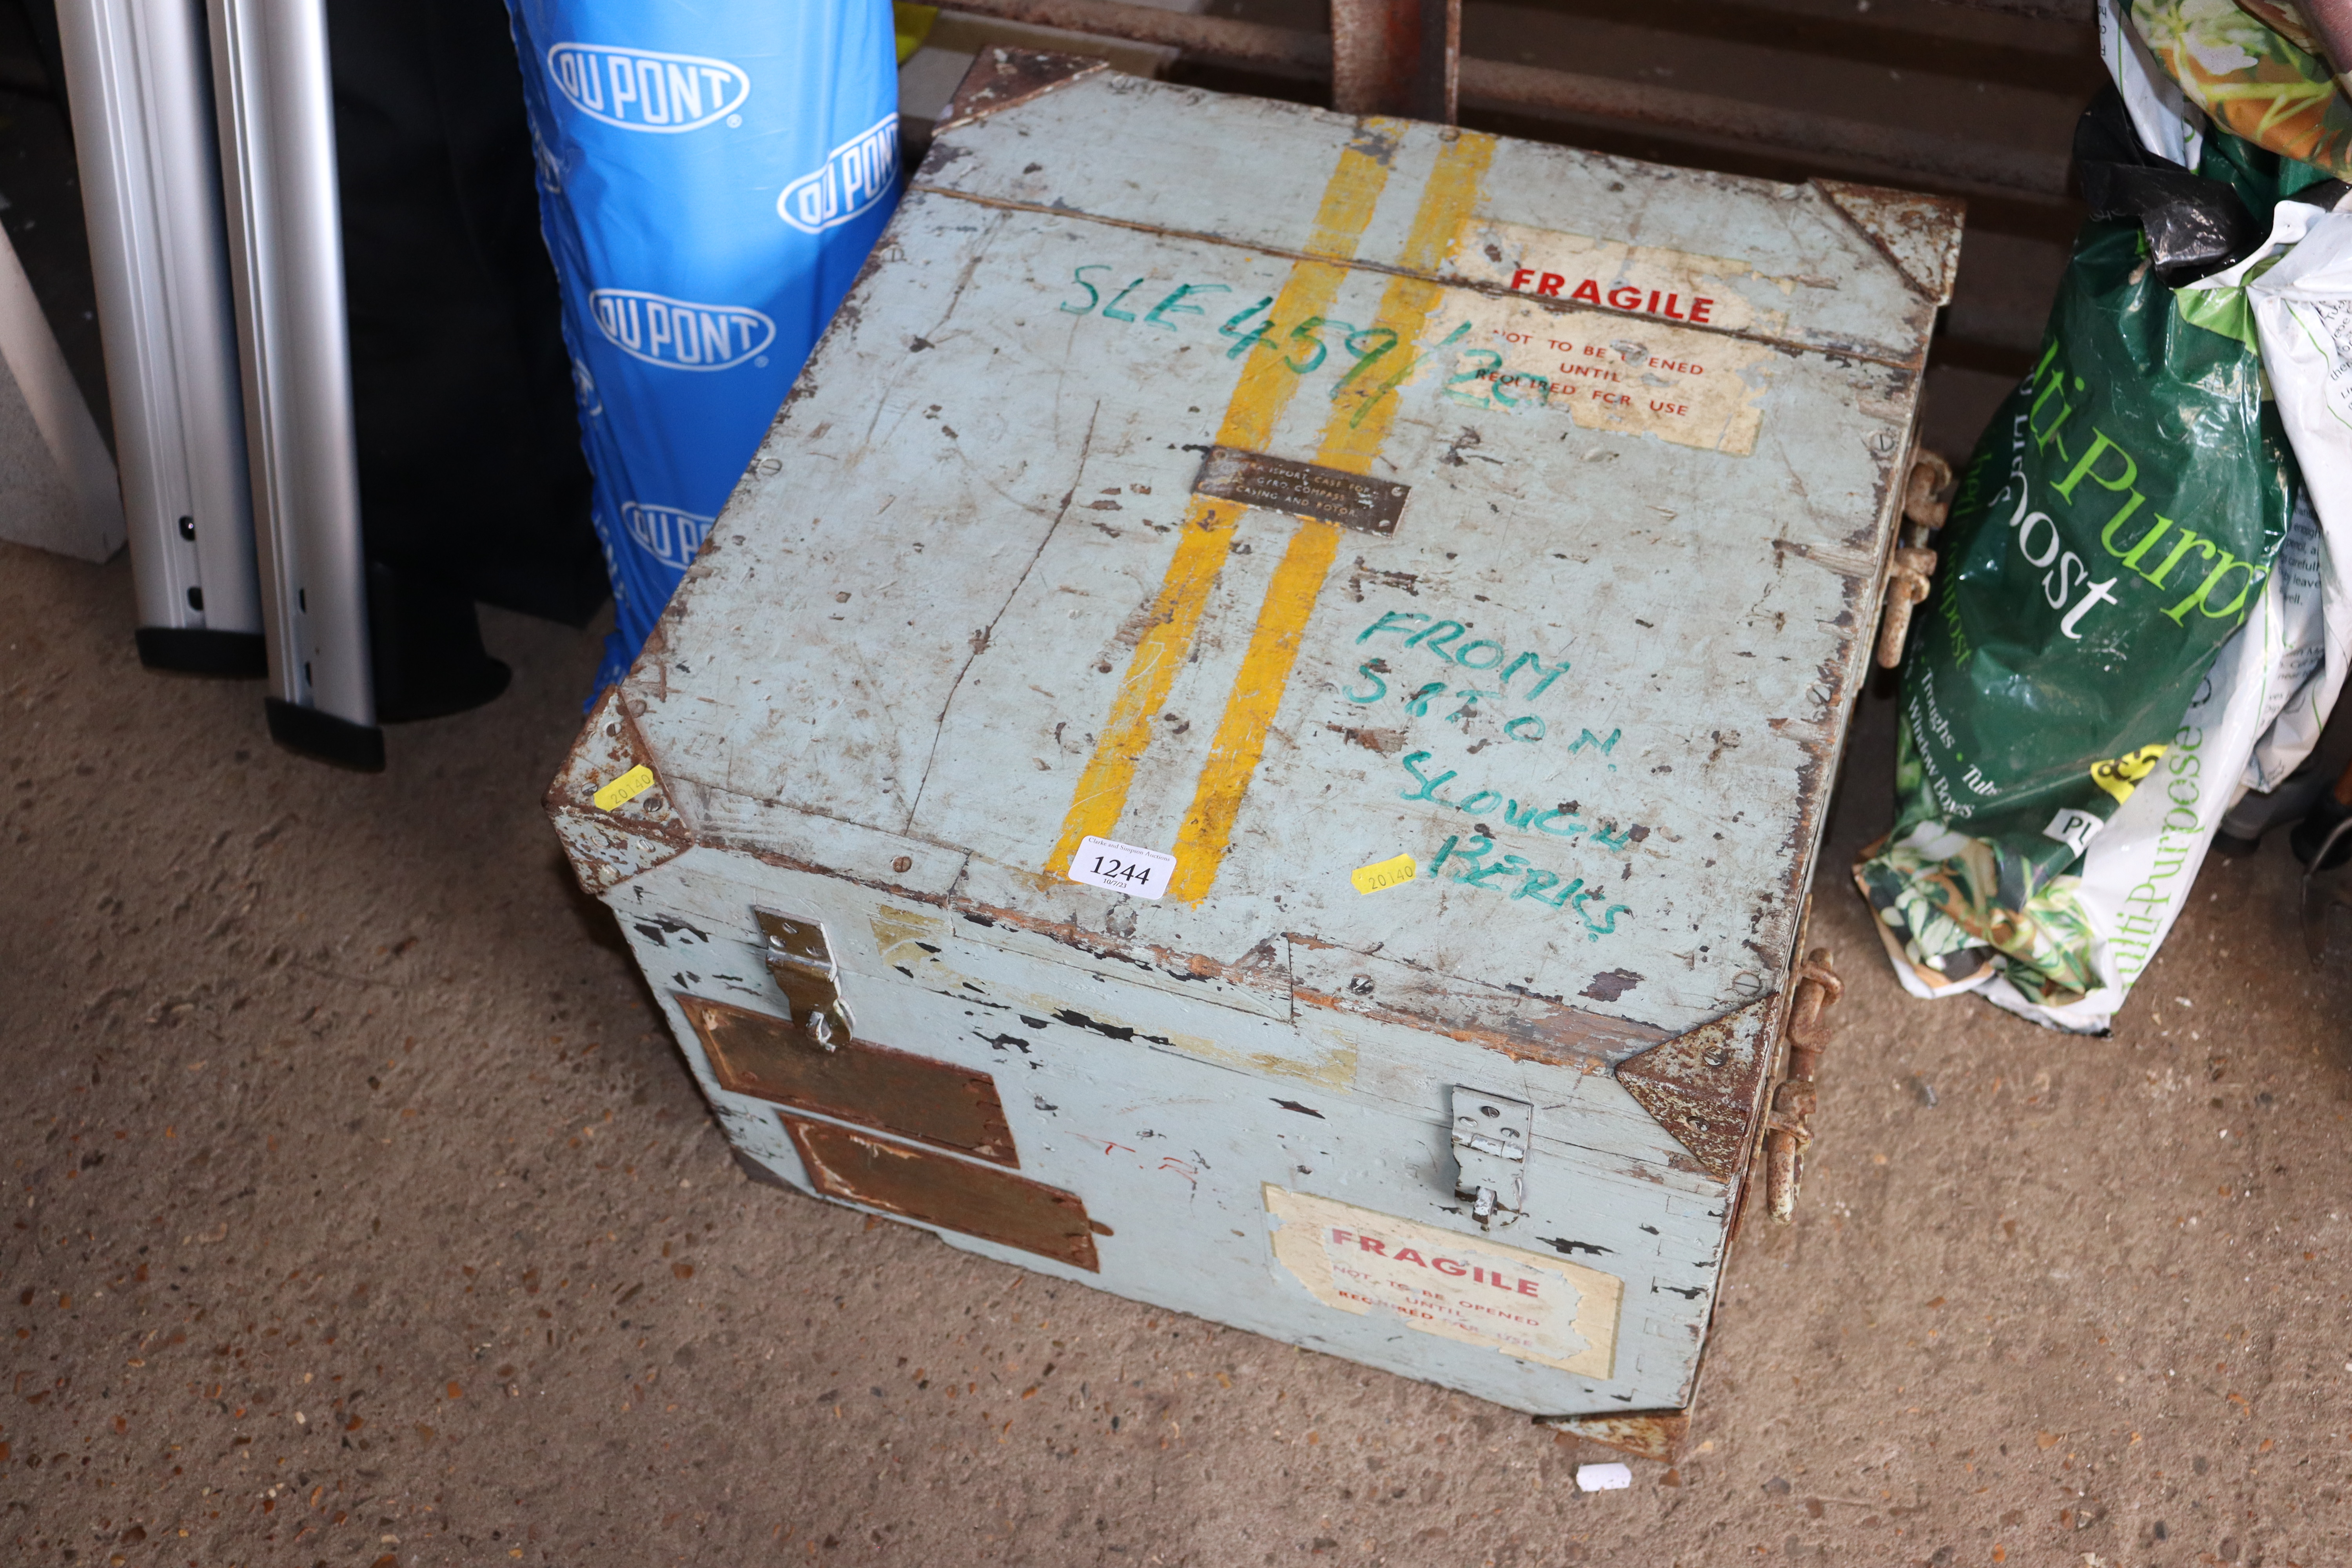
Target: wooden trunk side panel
{"points": [[1010, 1211], [896, 1091], [1164, 1142], [1009, 1006]]}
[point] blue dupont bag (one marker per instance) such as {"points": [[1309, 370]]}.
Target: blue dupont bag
{"points": [[711, 177]]}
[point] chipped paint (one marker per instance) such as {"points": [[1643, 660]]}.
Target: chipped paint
{"points": [[1000, 79], [917, 947]]}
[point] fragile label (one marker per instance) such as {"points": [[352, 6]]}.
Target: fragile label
{"points": [[1604, 371], [1383, 873], [1639, 279], [625, 789], [1122, 867], [1543, 1309]]}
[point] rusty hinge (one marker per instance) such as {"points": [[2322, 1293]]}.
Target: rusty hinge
{"points": [[800, 961], [1787, 1132], [1925, 507]]}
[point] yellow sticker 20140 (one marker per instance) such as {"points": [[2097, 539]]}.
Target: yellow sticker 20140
{"points": [[1383, 873], [625, 789]]}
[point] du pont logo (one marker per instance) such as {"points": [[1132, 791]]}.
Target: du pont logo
{"points": [[679, 334], [855, 175], [638, 90], [669, 535]]}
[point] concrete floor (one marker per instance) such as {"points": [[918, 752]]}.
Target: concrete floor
{"points": [[361, 1216]]}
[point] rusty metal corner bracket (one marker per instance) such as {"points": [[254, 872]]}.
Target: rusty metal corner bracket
{"points": [[1003, 77], [606, 848], [1647, 1434], [1919, 234], [1701, 1086]]}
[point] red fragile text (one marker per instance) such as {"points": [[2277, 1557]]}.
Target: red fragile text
{"points": [[1623, 297], [1448, 1266]]}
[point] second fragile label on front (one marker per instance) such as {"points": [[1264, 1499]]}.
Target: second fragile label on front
{"points": [[1456, 1287]]}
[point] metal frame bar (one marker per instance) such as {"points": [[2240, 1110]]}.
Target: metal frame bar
{"points": [[139, 82], [1920, 154], [1397, 57], [277, 167]]}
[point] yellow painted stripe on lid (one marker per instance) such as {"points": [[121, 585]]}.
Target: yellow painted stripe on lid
{"points": [[1362, 412], [1263, 390]]}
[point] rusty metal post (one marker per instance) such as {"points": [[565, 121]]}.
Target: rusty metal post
{"points": [[1923, 154], [1789, 1133], [1397, 57]]}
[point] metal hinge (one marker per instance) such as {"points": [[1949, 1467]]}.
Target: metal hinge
{"points": [[1789, 1133], [1491, 1138], [1911, 573], [801, 963]]}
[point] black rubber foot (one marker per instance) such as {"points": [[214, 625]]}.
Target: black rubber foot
{"points": [[188, 650], [325, 737]]}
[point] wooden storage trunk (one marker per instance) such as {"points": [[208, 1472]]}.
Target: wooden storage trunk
{"points": [[1245, 506]]}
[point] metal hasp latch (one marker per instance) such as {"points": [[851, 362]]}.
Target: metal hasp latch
{"points": [[802, 967], [1490, 1153], [1786, 1134]]}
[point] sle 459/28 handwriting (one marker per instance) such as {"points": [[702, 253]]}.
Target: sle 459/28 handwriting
{"points": [[1378, 361]]}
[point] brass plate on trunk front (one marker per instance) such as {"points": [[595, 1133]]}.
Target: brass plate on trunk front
{"points": [[1302, 489], [1012, 1211], [915, 1096]]}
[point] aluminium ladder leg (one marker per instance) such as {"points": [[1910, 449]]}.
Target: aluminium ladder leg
{"points": [[139, 82], [278, 170]]}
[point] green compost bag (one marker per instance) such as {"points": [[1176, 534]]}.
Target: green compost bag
{"points": [[2112, 527]]}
